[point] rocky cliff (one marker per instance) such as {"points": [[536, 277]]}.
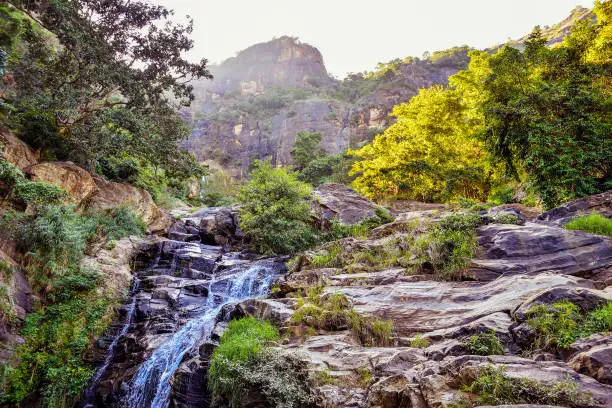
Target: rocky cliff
{"points": [[263, 97]]}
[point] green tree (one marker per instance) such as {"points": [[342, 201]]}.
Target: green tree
{"points": [[306, 149], [429, 154], [274, 211], [547, 111]]}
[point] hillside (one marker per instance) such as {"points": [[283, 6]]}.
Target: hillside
{"points": [[261, 98]]}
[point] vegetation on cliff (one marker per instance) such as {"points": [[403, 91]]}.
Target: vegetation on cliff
{"points": [[98, 84], [542, 114]]}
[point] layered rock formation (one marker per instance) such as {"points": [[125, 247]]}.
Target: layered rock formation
{"points": [[516, 267]]}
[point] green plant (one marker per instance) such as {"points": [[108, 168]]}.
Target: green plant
{"points": [[507, 219], [494, 387], [244, 362], [322, 377], [485, 344], [419, 342], [593, 223], [558, 325], [72, 310], [364, 377], [331, 258], [274, 212]]}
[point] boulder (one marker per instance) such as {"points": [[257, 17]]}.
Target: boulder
{"points": [[16, 151], [78, 183], [594, 357], [333, 201], [599, 203], [111, 195], [532, 248]]}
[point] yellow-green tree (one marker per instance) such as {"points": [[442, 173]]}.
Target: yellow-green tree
{"points": [[429, 154]]}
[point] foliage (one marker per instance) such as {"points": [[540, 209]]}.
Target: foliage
{"points": [[423, 157], [449, 243], [419, 342], [507, 219], [274, 212], [14, 185], [307, 149], [494, 387], [485, 344], [339, 230], [219, 189], [72, 309], [335, 312], [328, 168], [117, 99], [547, 111], [558, 325], [593, 223], [244, 362]]}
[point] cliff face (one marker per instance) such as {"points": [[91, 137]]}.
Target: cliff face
{"points": [[263, 97]]}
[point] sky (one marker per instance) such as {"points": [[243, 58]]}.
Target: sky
{"points": [[354, 35]]}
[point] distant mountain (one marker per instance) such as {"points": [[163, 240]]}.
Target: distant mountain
{"points": [[260, 99]]}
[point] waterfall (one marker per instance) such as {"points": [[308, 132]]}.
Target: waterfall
{"points": [[150, 387], [90, 394]]}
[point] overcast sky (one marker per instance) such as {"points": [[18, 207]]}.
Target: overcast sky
{"points": [[354, 35]]}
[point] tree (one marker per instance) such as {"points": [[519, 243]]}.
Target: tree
{"points": [[306, 149], [81, 62], [428, 154], [274, 211], [547, 111]]}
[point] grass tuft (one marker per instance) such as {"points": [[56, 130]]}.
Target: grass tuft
{"points": [[593, 223]]}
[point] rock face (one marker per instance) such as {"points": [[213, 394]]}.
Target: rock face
{"points": [[263, 97], [110, 195], [333, 201], [515, 268], [598, 203], [16, 151], [78, 183]]}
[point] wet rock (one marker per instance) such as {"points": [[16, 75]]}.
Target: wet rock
{"points": [[599, 203], [333, 201]]}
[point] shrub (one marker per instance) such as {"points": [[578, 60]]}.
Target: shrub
{"points": [[14, 185], [558, 325], [593, 223], [507, 219], [72, 309], [243, 362], [419, 342], [335, 312], [485, 344], [274, 211], [331, 258], [494, 387]]}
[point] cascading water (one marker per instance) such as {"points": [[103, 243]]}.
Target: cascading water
{"points": [[90, 394], [151, 385]]}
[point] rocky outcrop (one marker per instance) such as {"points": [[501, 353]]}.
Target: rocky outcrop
{"points": [[16, 151], [515, 268], [110, 195], [598, 203], [78, 183], [334, 201], [211, 226], [532, 248]]}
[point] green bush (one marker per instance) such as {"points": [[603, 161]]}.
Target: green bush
{"points": [[72, 309], [274, 211], [14, 185], [507, 219], [243, 362], [419, 342], [593, 223], [494, 387], [485, 344], [558, 325]]}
